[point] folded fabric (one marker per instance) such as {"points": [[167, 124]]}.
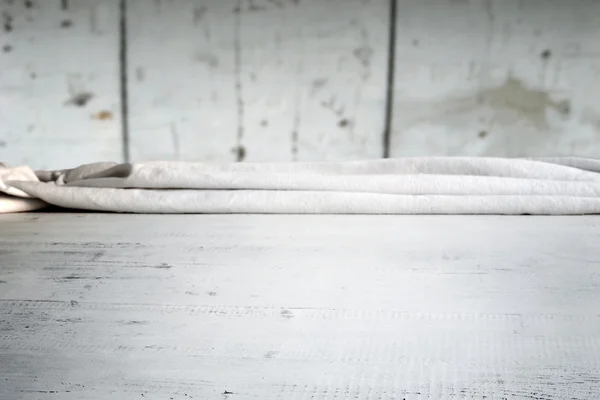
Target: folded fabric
{"points": [[13, 199], [431, 185]]}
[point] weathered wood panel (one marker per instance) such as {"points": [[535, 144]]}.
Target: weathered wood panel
{"points": [[257, 80], [497, 77], [298, 307], [181, 93], [59, 82]]}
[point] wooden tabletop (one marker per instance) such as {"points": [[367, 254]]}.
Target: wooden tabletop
{"points": [[108, 306]]}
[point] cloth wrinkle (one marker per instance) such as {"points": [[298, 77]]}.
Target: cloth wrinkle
{"points": [[418, 185]]}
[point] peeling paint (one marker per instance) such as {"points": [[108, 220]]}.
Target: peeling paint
{"points": [[80, 99], [103, 115]]}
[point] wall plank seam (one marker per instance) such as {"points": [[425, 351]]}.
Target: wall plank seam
{"points": [[123, 80], [254, 61], [391, 73]]}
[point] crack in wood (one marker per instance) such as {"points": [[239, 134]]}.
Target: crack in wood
{"points": [[241, 153], [296, 126]]}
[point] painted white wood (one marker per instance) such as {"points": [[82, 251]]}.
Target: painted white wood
{"points": [[313, 78], [180, 81], [497, 77], [295, 307], [59, 82], [257, 80]]}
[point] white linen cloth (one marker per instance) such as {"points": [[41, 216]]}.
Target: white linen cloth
{"points": [[429, 185], [13, 199]]}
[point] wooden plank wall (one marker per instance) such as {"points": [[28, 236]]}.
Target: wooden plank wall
{"points": [[257, 80], [497, 78], [284, 80], [59, 86]]}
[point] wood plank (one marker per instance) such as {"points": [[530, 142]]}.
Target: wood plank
{"points": [[59, 83], [296, 307], [497, 78], [313, 83], [181, 92], [260, 80]]}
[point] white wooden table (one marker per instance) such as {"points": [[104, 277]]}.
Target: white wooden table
{"points": [[99, 306]]}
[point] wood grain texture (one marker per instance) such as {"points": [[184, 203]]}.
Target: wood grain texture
{"points": [[298, 307], [497, 78], [275, 80], [59, 83]]}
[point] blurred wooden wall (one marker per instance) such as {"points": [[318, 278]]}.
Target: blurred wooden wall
{"points": [[283, 80]]}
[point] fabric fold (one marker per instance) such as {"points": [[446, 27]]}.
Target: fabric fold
{"points": [[430, 185], [12, 199]]}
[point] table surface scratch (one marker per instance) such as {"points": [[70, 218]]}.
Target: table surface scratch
{"points": [[106, 306]]}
